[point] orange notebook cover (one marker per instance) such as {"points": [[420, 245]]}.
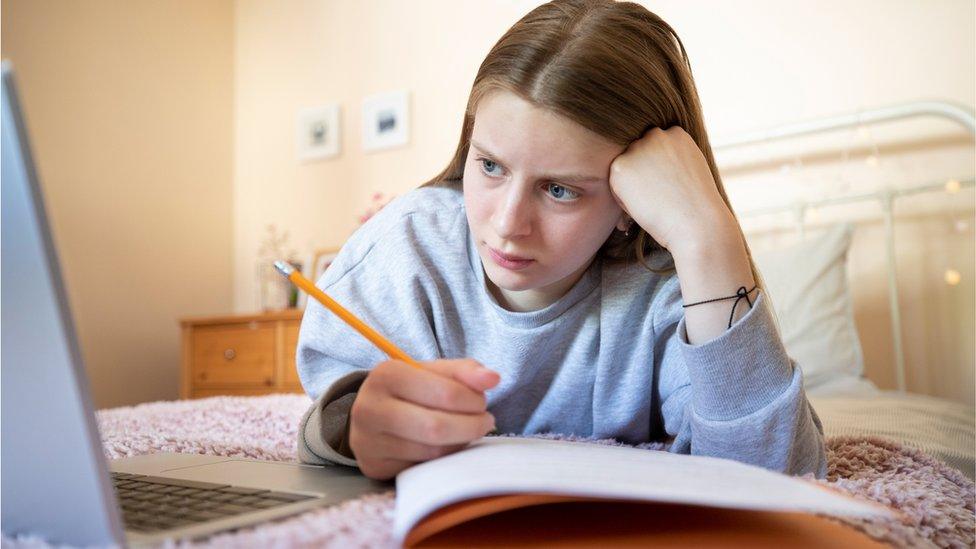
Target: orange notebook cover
{"points": [[513, 492]]}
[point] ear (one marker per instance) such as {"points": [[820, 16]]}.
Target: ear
{"points": [[624, 222]]}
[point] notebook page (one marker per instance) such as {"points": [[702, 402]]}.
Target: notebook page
{"points": [[505, 465]]}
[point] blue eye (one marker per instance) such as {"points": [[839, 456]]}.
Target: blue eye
{"points": [[560, 193], [487, 166]]}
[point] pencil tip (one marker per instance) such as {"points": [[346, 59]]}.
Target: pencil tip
{"points": [[284, 267]]}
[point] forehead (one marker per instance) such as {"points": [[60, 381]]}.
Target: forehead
{"points": [[526, 136]]}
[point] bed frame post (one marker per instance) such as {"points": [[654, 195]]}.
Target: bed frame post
{"points": [[887, 208]]}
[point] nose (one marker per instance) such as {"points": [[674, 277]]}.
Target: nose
{"points": [[512, 217]]}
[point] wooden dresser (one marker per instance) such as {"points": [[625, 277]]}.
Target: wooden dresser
{"points": [[240, 355]]}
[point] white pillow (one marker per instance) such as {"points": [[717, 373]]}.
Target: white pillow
{"points": [[808, 286]]}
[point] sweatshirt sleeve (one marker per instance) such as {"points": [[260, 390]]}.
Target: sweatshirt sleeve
{"points": [[738, 396], [322, 433]]}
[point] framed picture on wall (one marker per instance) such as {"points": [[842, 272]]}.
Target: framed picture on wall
{"points": [[386, 120], [318, 133], [321, 261]]}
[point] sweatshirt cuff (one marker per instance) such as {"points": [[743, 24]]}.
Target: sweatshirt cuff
{"points": [[741, 370], [322, 431]]}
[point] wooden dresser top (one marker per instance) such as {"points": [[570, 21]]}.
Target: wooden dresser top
{"points": [[284, 314]]}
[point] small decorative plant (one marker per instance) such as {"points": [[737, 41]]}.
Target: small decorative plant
{"points": [[376, 205], [274, 291]]}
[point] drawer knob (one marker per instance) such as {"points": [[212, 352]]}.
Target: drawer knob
{"points": [[229, 354], [269, 382], [202, 376]]}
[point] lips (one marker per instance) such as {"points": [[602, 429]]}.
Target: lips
{"points": [[508, 257], [507, 261]]}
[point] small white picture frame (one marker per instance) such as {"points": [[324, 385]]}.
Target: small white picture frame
{"points": [[386, 120], [321, 261], [318, 133]]}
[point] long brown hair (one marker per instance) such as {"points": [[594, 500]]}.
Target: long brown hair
{"points": [[612, 67]]}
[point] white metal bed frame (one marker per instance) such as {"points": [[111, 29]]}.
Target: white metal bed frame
{"points": [[962, 115]]}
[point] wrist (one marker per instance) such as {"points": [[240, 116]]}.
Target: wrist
{"points": [[707, 243]]}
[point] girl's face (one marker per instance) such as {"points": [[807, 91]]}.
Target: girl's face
{"points": [[538, 200]]}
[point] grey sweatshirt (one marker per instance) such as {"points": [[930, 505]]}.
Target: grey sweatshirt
{"points": [[584, 365]]}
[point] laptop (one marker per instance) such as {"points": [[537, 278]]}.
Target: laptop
{"points": [[56, 481]]}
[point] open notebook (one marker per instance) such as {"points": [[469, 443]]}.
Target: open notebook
{"points": [[512, 491]]}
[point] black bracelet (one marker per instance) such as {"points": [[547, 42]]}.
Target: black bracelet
{"points": [[741, 293]]}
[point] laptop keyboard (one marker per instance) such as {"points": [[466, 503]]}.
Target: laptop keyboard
{"points": [[155, 503]]}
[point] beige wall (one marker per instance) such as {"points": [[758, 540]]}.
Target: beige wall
{"points": [[165, 134], [129, 109], [757, 63]]}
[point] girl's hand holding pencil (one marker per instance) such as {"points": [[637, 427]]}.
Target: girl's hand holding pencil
{"points": [[403, 416], [406, 411]]}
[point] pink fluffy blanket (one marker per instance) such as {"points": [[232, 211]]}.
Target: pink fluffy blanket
{"points": [[936, 501]]}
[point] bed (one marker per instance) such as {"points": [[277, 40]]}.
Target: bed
{"points": [[844, 256], [934, 499], [808, 284]]}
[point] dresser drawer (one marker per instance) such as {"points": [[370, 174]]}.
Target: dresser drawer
{"points": [[234, 355]]}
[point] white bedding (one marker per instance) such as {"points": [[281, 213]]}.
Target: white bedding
{"points": [[941, 428], [851, 386]]}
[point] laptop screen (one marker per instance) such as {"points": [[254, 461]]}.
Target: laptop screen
{"points": [[55, 477]]}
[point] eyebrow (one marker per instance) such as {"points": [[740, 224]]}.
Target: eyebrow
{"points": [[564, 178]]}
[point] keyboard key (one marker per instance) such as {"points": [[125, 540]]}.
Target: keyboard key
{"points": [[165, 509], [203, 505], [201, 516], [135, 505], [135, 516], [167, 498], [178, 512], [268, 503]]}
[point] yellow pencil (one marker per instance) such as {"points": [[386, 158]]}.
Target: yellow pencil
{"points": [[384, 344]]}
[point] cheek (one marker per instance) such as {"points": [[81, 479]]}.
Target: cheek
{"points": [[584, 235], [577, 240], [476, 205]]}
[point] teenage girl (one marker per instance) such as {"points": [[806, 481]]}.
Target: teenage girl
{"points": [[576, 269]]}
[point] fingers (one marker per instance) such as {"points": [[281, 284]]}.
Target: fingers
{"points": [[467, 371], [455, 386], [424, 425]]}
